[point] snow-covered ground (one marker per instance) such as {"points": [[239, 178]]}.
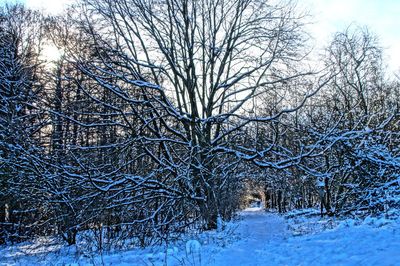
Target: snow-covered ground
{"points": [[257, 238]]}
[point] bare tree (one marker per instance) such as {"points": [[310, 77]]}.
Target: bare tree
{"points": [[200, 66], [355, 114], [20, 122]]}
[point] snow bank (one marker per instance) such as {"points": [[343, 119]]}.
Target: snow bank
{"points": [[364, 244], [259, 238]]}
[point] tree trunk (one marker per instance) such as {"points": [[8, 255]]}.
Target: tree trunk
{"points": [[279, 200]]}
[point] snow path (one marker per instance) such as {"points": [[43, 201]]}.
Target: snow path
{"points": [[258, 238], [256, 230], [265, 239]]}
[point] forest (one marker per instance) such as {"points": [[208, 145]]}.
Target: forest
{"points": [[159, 117]]}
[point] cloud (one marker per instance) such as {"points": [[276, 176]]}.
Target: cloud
{"points": [[49, 6]]}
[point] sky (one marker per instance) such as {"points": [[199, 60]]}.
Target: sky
{"points": [[50, 6], [330, 16], [382, 17]]}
